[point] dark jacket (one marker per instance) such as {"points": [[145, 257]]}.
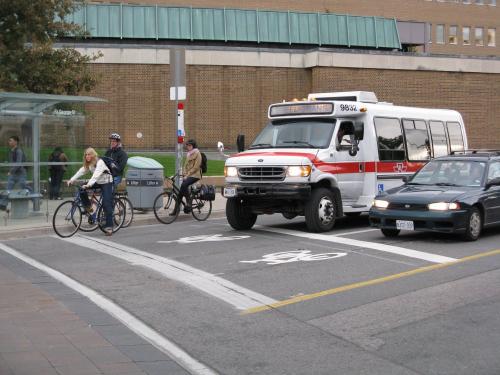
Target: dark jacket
{"points": [[16, 155], [119, 156]]}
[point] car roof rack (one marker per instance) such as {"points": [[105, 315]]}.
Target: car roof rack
{"points": [[478, 152]]}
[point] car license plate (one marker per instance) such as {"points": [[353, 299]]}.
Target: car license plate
{"points": [[405, 225], [229, 192]]}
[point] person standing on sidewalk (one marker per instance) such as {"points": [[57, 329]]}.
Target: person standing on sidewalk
{"points": [[117, 153], [56, 172], [101, 178], [16, 174]]}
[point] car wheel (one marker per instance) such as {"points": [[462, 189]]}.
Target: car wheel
{"points": [[473, 225], [390, 232]]}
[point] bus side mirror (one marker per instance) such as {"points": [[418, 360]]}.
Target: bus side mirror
{"points": [[240, 142], [359, 130]]}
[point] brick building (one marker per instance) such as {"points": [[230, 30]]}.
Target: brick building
{"points": [[230, 85]]}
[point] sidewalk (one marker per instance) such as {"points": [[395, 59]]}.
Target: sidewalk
{"points": [[40, 335], [48, 329], [41, 222]]}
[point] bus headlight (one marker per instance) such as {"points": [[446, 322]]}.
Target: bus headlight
{"points": [[230, 171], [379, 203], [443, 206], [298, 171]]}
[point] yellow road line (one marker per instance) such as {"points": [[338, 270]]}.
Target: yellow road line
{"points": [[362, 284]]}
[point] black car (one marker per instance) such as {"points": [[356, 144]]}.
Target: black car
{"points": [[457, 193]]}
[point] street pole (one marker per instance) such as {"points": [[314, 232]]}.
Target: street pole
{"points": [[177, 93]]}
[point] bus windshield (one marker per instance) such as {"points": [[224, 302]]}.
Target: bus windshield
{"points": [[303, 133]]}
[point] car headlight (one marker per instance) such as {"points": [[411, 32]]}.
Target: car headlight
{"points": [[230, 171], [443, 206], [298, 170], [379, 203]]}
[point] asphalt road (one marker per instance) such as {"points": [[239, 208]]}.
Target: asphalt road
{"points": [[280, 300]]}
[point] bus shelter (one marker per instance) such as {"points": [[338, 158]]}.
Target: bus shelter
{"points": [[39, 123]]}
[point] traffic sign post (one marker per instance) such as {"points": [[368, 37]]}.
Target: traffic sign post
{"points": [[177, 93]]}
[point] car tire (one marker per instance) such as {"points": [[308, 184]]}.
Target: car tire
{"points": [[390, 232], [321, 210], [473, 225], [239, 216]]}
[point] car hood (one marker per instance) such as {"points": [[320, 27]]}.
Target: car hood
{"points": [[266, 157], [425, 194]]}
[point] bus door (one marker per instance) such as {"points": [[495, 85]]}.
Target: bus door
{"points": [[350, 161]]}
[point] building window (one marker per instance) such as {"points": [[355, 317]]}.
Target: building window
{"points": [[466, 1], [478, 36], [452, 35], [491, 38], [440, 34], [479, 2], [493, 2], [466, 35]]}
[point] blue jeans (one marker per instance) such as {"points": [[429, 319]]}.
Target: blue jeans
{"points": [[107, 201], [17, 179], [117, 180]]}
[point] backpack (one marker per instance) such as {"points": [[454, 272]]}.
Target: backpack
{"points": [[112, 166], [204, 162], [55, 157]]}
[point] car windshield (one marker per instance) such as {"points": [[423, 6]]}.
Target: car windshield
{"points": [[303, 133], [450, 173]]}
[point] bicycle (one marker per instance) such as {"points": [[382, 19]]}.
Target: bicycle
{"points": [[71, 216], [164, 203], [129, 208]]}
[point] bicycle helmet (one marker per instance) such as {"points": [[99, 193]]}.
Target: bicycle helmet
{"points": [[191, 142], [115, 136]]}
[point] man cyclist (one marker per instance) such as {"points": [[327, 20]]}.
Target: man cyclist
{"points": [[117, 153], [192, 173]]}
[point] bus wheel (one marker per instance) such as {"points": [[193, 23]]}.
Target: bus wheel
{"points": [[238, 216], [321, 210]]}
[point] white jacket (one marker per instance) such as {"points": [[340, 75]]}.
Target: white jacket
{"points": [[100, 174]]}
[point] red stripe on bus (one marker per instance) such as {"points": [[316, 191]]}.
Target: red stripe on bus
{"points": [[350, 166]]}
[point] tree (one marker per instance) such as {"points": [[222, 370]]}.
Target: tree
{"points": [[28, 61]]}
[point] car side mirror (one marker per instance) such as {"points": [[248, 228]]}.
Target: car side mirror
{"points": [[359, 130], [493, 182]]}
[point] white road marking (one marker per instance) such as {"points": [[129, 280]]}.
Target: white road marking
{"points": [[293, 256], [356, 232], [205, 238], [365, 244], [137, 326], [235, 295]]}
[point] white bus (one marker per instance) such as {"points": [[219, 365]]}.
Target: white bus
{"points": [[330, 155]]}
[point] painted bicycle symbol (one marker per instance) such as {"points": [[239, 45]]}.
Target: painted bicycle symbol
{"points": [[294, 256], [205, 238]]}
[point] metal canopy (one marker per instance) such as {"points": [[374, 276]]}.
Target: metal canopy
{"points": [[33, 105], [29, 104]]}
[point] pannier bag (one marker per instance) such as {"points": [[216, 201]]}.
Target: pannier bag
{"points": [[207, 192]]}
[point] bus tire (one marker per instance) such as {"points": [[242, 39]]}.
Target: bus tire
{"points": [[321, 210], [238, 216]]}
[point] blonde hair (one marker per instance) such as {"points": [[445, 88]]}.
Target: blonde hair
{"points": [[93, 161]]}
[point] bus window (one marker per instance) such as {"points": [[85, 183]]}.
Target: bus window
{"points": [[438, 135], [417, 140], [455, 136], [389, 139]]}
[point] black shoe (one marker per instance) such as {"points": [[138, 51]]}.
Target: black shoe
{"points": [[187, 210]]}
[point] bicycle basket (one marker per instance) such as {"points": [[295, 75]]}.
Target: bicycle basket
{"points": [[207, 192]]}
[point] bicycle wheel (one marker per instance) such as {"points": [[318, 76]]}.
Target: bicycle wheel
{"points": [[118, 216], [164, 207], [67, 219], [201, 209], [129, 211]]}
